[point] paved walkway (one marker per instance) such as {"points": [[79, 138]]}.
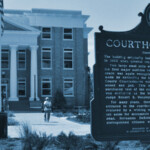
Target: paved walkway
{"points": [[54, 127]]}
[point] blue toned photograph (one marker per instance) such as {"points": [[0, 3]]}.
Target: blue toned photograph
{"points": [[75, 75]]}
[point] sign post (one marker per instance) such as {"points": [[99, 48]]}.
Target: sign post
{"points": [[1, 12], [3, 115], [121, 105]]}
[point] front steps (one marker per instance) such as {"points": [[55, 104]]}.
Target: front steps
{"points": [[25, 105], [19, 105], [35, 105]]}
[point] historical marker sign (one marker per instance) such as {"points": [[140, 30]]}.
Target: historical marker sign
{"points": [[121, 107], [148, 15]]}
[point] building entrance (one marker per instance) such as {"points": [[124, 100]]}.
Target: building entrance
{"points": [[4, 90], [4, 96]]}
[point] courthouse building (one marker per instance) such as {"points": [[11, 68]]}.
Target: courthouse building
{"points": [[44, 51]]}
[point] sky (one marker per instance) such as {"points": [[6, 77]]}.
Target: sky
{"points": [[114, 15]]}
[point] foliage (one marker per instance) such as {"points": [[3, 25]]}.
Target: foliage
{"points": [[111, 145], [68, 142], [61, 114], [81, 117], [12, 121], [10, 144], [59, 101], [84, 117], [10, 114], [90, 87], [74, 142], [33, 141], [88, 144]]}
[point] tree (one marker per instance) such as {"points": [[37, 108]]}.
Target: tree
{"points": [[90, 87], [59, 101]]}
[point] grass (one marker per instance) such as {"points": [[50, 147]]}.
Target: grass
{"points": [[11, 120], [82, 116], [10, 114], [61, 114], [32, 140], [10, 144]]}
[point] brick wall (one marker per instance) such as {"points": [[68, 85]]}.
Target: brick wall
{"points": [[57, 73]]}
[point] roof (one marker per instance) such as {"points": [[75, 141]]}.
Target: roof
{"points": [[44, 11]]}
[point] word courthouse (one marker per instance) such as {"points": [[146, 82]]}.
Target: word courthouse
{"points": [[128, 44]]}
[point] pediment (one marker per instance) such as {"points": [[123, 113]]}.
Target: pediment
{"points": [[12, 25], [9, 26]]}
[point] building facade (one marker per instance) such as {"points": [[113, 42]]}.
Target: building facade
{"points": [[44, 51]]}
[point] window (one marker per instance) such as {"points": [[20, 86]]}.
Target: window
{"points": [[21, 59], [21, 87], [68, 87], [46, 33], [68, 33], [68, 59], [46, 62], [46, 87], [5, 59]]}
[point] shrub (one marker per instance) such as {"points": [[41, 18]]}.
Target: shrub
{"points": [[70, 142], [12, 121], [40, 141], [10, 114], [111, 145], [61, 114], [25, 133], [85, 118], [59, 101], [32, 140], [81, 117], [74, 142]]}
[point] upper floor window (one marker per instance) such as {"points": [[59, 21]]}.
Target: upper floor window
{"points": [[21, 59], [68, 59], [21, 87], [46, 62], [46, 33], [68, 33], [46, 87], [5, 59], [68, 87]]}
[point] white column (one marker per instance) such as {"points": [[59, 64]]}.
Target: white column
{"points": [[13, 73], [34, 75]]}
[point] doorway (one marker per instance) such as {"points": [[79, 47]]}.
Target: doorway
{"points": [[5, 105], [4, 90]]}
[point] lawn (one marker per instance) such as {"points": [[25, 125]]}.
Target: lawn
{"points": [[18, 144], [31, 140], [10, 144]]}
